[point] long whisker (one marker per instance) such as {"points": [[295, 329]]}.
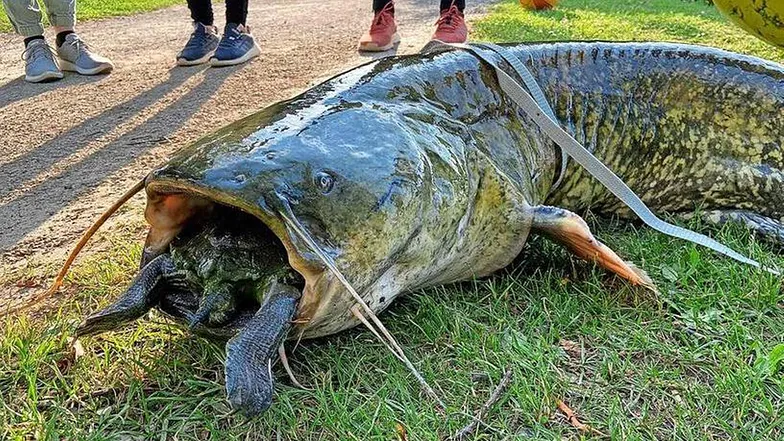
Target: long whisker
{"points": [[358, 314], [58, 281], [390, 340]]}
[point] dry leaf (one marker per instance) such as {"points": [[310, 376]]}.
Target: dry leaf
{"points": [[574, 421], [401, 432], [571, 348], [74, 351]]}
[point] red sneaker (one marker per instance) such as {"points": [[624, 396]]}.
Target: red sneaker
{"points": [[451, 26], [383, 31]]}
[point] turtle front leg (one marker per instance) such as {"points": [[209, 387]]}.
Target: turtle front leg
{"points": [[143, 294], [250, 353]]}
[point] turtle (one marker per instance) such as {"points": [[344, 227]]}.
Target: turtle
{"points": [[224, 278]]}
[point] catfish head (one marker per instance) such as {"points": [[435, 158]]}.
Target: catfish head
{"points": [[351, 183]]}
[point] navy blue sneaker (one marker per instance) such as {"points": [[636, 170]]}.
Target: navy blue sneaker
{"points": [[237, 46], [200, 47]]}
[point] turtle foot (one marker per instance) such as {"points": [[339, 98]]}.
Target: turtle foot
{"points": [[249, 355]]}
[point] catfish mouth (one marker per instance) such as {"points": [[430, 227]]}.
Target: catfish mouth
{"points": [[173, 206]]}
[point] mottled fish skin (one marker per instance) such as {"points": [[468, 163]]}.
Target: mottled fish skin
{"points": [[417, 171], [685, 127], [431, 176]]}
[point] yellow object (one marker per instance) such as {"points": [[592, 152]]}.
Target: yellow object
{"points": [[538, 4], [762, 18]]}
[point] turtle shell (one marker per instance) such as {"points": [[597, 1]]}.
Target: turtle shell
{"points": [[214, 254]]}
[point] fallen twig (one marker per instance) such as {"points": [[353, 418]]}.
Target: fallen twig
{"points": [[574, 421], [494, 397]]}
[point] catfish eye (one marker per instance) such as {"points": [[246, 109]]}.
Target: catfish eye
{"points": [[324, 182]]}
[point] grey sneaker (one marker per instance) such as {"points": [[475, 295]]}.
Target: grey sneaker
{"points": [[75, 56], [40, 64]]}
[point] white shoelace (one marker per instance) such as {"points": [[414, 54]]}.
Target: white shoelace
{"points": [[35, 51]]}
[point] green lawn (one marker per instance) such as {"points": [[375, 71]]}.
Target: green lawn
{"points": [[703, 360], [664, 20], [91, 9]]}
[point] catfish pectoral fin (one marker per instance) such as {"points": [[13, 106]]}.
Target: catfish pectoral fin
{"points": [[142, 295], [250, 353], [571, 231]]}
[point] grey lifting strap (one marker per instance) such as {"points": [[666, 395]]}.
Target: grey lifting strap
{"points": [[536, 93], [541, 113]]}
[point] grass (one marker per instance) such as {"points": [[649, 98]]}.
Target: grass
{"points": [[619, 20], [703, 360], [93, 9]]}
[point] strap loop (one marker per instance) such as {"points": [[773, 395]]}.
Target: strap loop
{"points": [[536, 107]]}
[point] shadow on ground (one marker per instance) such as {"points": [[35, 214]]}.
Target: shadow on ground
{"points": [[40, 202], [20, 90]]}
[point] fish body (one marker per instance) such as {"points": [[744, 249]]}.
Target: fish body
{"points": [[416, 171], [762, 18]]}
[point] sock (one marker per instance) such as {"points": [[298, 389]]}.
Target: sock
{"points": [[34, 37], [208, 26], [60, 39]]}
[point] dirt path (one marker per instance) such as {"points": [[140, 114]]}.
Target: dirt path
{"points": [[68, 149]]}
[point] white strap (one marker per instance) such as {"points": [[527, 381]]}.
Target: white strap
{"points": [[549, 125], [536, 93]]}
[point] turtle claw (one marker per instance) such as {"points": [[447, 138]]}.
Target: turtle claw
{"points": [[177, 281], [217, 308], [249, 383], [180, 304], [142, 295]]}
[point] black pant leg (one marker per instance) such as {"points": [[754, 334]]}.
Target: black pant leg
{"points": [[446, 4], [380, 4], [236, 11], [201, 11]]}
